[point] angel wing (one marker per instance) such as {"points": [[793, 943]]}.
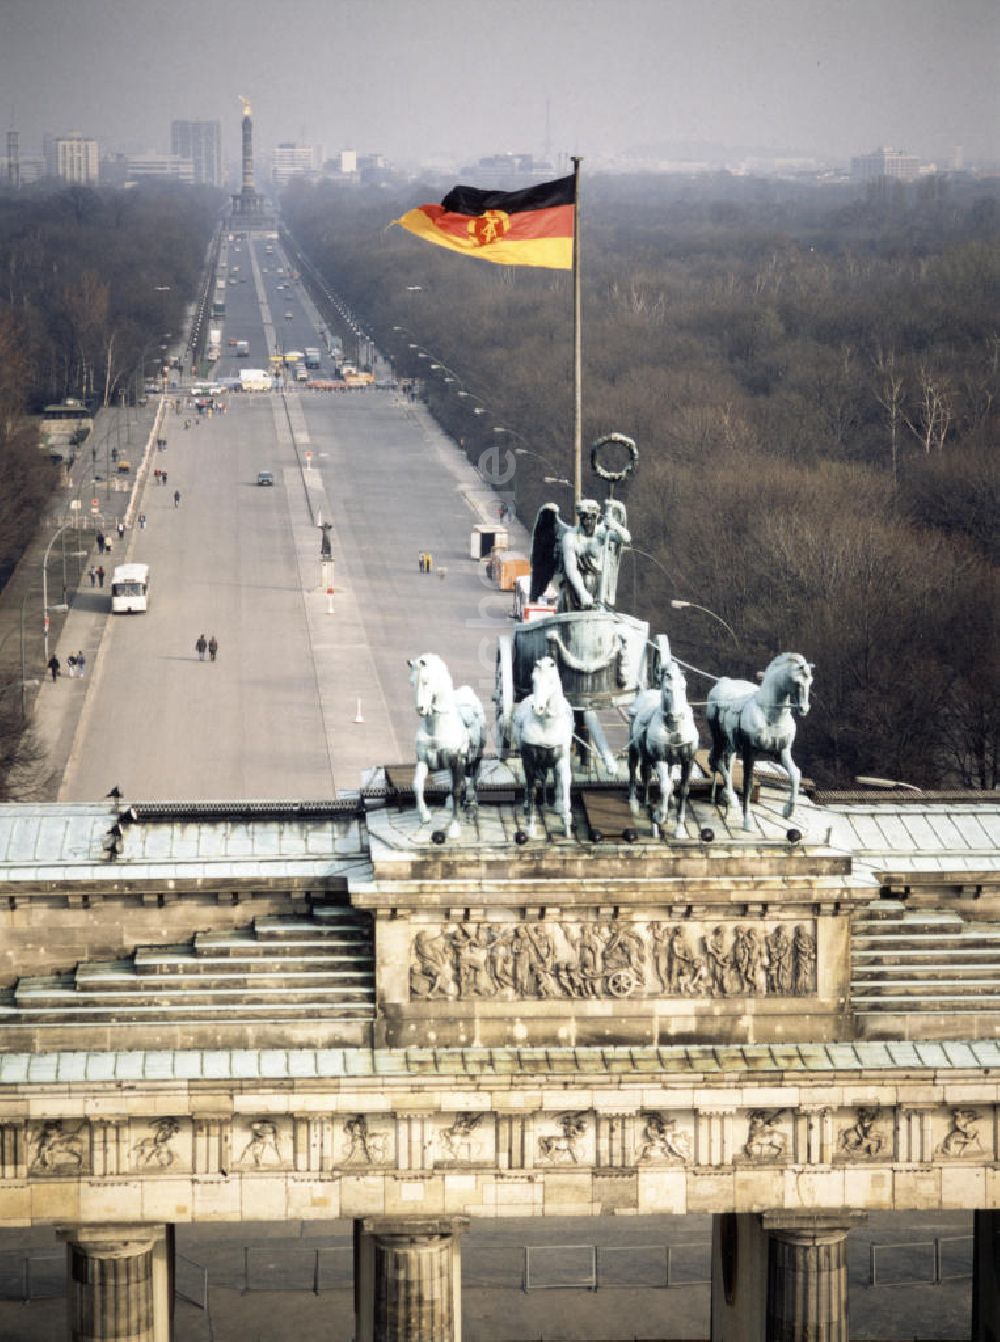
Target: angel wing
{"points": [[545, 548]]}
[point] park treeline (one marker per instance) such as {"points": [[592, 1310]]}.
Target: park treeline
{"points": [[812, 374], [90, 282]]}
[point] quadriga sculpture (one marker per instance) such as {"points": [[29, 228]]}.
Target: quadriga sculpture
{"points": [[451, 735], [662, 734], [751, 720], [543, 733]]}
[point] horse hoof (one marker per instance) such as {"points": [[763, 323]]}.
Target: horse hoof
{"points": [[633, 805], [788, 810], [454, 830], [680, 832]]}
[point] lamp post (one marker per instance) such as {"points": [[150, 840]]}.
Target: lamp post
{"points": [[677, 604], [45, 589]]}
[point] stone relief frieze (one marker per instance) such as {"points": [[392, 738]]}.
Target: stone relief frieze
{"points": [[60, 1149], [865, 1134], [862, 1140], [157, 1152], [263, 1145], [614, 959], [766, 1142], [962, 1137], [364, 1144], [566, 1146], [661, 1140], [462, 1139]]}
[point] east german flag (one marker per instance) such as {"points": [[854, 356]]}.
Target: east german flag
{"points": [[533, 227]]}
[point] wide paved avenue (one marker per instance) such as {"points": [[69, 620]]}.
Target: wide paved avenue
{"points": [[276, 715]]}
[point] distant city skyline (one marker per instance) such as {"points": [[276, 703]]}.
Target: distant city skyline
{"points": [[442, 82]]}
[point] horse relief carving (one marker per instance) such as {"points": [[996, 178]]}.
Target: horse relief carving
{"points": [[156, 1151], [58, 1149], [861, 1139], [460, 1138], [765, 1140], [962, 1137], [662, 1141], [364, 1146], [564, 1148], [262, 1146], [615, 959]]}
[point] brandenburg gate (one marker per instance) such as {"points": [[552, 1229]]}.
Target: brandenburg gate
{"points": [[224, 1011]]}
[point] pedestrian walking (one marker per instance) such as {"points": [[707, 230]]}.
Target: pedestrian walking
{"points": [[81, 664], [100, 575], [53, 665], [100, 542], [200, 647], [213, 647], [177, 498], [71, 663], [156, 476], [142, 521], [163, 477], [121, 531], [92, 575]]}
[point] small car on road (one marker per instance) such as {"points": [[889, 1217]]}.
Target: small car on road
{"points": [[265, 477]]}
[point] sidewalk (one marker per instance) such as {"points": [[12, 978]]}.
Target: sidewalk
{"points": [[53, 708]]}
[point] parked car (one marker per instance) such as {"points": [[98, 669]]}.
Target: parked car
{"points": [[265, 477]]}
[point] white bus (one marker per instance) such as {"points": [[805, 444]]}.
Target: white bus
{"points": [[130, 588]]}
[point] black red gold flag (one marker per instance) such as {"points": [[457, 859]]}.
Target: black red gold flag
{"points": [[532, 227]]}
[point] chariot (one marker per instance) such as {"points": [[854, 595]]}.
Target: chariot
{"points": [[603, 655]]}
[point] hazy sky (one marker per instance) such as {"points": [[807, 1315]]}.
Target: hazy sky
{"points": [[456, 79]]}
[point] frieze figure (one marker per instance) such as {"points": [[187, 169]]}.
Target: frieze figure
{"points": [[861, 1139], [459, 1139], [563, 1148], [156, 1150], [661, 1140], [765, 1140], [613, 959], [366, 1147], [779, 962], [804, 961], [432, 974], [263, 1139], [57, 1147], [962, 1137]]}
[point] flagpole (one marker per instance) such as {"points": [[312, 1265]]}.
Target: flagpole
{"points": [[577, 341]]}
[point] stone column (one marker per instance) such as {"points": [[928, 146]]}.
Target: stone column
{"points": [[807, 1275], [986, 1277], [114, 1292], [408, 1279]]}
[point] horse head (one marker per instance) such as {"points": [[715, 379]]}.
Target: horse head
{"points": [[673, 690], [546, 687], [430, 679], [789, 680]]}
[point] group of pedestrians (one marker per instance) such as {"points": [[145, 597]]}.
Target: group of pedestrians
{"points": [[97, 576], [203, 645], [77, 663]]}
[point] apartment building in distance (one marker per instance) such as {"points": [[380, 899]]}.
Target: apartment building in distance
{"points": [[293, 160], [201, 143], [72, 157], [885, 162]]}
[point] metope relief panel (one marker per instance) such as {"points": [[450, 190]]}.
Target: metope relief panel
{"points": [[164, 1144], [58, 1148], [366, 1143], [614, 959], [464, 1139]]}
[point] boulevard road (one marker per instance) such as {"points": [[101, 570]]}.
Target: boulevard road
{"points": [[276, 715]]}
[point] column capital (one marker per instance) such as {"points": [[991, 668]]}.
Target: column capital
{"points": [[415, 1227], [112, 1240], [812, 1227]]}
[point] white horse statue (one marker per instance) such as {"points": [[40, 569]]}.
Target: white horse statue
{"points": [[662, 734], [749, 720], [542, 729], [451, 736]]}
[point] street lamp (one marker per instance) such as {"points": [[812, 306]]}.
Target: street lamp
{"points": [[45, 589], [677, 604]]}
